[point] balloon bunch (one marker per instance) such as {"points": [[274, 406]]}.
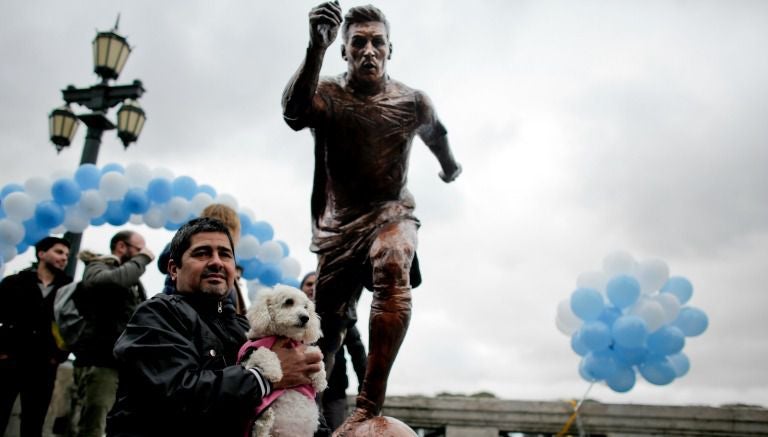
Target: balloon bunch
{"points": [[132, 194], [630, 317]]}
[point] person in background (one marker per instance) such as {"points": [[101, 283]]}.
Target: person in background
{"points": [[111, 291], [176, 358], [231, 220], [29, 356]]}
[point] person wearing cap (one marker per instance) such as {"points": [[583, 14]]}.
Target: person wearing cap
{"points": [[29, 356]]}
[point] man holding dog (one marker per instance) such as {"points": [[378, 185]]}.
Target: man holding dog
{"points": [[364, 230], [177, 355]]}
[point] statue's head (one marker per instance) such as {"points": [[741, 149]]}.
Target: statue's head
{"points": [[366, 46]]}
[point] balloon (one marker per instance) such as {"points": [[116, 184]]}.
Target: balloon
{"points": [[669, 304], [10, 188], [609, 315], [594, 280], [11, 232], [292, 282], [39, 189], [7, 252], [600, 365], [116, 215], [76, 220], [199, 203], [19, 206], [284, 245], [21, 248], [290, 267], [691, 321], [667, 340], [248, 247], [159, 190], [595, 335], [88, 176], [92, 203], [138, 175], [269, 274], [184, 186], [49, 214], [251, 268], [33, 233], [136, 201], [113, 185], [680, 363], [66, 191], [680, 287], [657, 370], [650, 311], [630, 356], [262, 230], [578, 345], [618, 263], [629, 331], [177, 210], [623, 290], [245, 221], [652, 274], [587, 303], [227, 199], [172, 226], [622, 380], [207, 189], [270, 252], [136, 219], [566, 321], [112, 168], [155, 217], [98, 221]]}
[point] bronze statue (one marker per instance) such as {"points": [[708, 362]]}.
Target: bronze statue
{"points": [[364, 230]]}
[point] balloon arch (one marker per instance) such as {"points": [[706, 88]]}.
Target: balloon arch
{"points": [[132, 194]]}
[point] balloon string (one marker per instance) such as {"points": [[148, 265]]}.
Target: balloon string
{"points": [[575, 414]]}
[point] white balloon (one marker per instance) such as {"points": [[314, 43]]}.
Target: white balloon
{"points": [[594, 280], [566, 321], [650, 311], [38, 188], [113, 185], [248, 213], [669, 304], [290, 267], [199, 203], [138, 175], [618, 263], [7, 252], [652, 274], [19, 206], [76, 220], [58, 230], [11, 232], [155, 217], [270, 252], [162, 172], [92, 203], [177, 210], [248, 247], [227, 199], [136, 219]]}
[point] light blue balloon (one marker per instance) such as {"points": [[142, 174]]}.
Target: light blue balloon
{"points": [[269, 274], [584, 373], [207, 189], [622, 380], [49, 214], [171, 226], [22, 247], [680, 287], [112, 166], [10, 188], [136, 201], [692, 321], [184, 186], [33, 232], [595, 335], [159, 190], [600, 365], [680, 363], [251, 268], [66, 191], [609, 315], [284, 245], [88, 177], [630, 356], [98, 221], [623, 290], [587, 303], [657, 370], [629, 331], [577, 345], [116, 215], [245, 222], [667, 340], [291, 282], [262, 231]]}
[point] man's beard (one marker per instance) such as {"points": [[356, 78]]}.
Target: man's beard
{"points": [[52, 267]]}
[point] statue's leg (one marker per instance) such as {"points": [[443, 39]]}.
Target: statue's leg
{"points": [[391, 255]]}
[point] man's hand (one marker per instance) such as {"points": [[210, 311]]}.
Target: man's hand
{"points": [[450, 175], [145, 251], [324, 22], [296, 362]]}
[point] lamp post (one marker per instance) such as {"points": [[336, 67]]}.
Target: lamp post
{"points": [[110, 51]]}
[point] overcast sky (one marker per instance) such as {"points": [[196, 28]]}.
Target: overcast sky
{"points": [[583, 128]]}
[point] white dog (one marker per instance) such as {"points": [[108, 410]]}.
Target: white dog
{"points": [[283, 312]]}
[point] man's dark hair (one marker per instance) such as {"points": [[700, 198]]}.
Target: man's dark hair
{"points": [[123, 236], [47, 243], [363, 14], [183, 237]]}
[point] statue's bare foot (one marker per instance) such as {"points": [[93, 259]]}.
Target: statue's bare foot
{"points": [[353, 421]]}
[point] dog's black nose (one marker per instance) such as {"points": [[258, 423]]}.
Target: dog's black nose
{"points": [[303, 319]]}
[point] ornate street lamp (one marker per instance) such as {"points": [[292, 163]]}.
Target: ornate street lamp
{"points": [[110, 52]]}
